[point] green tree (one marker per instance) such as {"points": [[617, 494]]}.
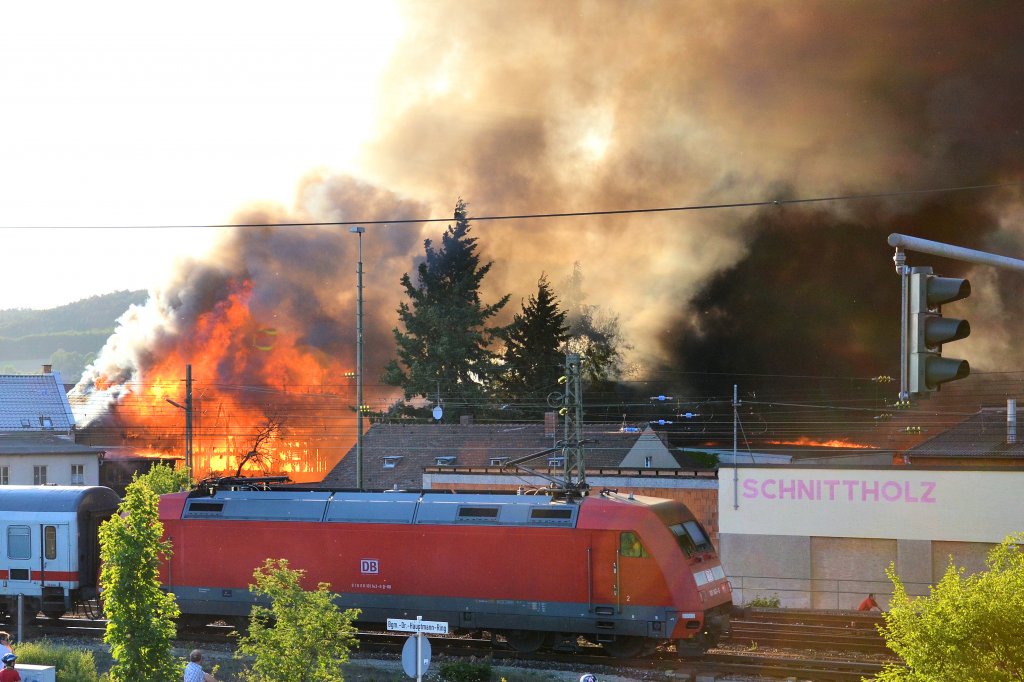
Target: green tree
{"points": [[594, 334], [303, 635], [534, 356], [967, 629], [140, 617], [446, 345], [164, 478]]}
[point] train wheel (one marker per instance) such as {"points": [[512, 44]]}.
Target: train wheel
{"points": [[525, 641], [624, 647]]}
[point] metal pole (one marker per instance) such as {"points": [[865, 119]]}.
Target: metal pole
{"points": [[419, 653], [735, 438], [954, 252], [900, 258], [188, 419], [359, 359]]}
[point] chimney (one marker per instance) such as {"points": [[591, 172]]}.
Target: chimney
{"points": [[47, 369], [466, 420], [1011, 421], [550, 424]]}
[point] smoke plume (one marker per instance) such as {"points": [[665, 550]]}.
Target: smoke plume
{"points": [[538, 107]]}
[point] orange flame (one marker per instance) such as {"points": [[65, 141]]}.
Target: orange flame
{"points": [[804, 441], [254, 383]]}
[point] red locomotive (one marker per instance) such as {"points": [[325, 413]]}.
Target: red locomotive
{"points": [[627, 572]]}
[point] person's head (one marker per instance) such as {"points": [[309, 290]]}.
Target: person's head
{"points": [[9, 660], [588, 677], [196, 656], [5, 637], [871, 595]]}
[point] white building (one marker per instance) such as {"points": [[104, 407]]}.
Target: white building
{"points": [[37, 444]]}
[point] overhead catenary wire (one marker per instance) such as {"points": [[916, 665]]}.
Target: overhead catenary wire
{"points": [[541, 216]]}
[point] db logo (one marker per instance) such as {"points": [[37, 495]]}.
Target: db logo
{"points": [[369, 566]]}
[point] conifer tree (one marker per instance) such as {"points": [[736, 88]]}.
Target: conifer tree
{"points": [[534, 352], [446, 343]]}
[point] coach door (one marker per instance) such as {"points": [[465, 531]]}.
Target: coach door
{"points": [[55, 557]]}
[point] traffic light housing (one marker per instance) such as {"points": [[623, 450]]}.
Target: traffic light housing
{"points": [[929, 330]]}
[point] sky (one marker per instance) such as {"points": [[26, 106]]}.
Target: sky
{"points": [[121, 114], [125, 114]]}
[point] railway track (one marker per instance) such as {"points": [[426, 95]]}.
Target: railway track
{"points": [[802, 635], [793, 629]]}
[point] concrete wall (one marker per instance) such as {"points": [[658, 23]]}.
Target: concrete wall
{"points": [[827, 547]]}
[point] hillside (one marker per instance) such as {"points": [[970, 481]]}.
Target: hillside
{"points": [[67, 337]]}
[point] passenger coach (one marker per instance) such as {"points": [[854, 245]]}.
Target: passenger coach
{"points": [[50, 545]]}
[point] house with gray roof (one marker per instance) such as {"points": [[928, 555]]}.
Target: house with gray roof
{"points": [[993, 436], [37, 443], [400, 454]]}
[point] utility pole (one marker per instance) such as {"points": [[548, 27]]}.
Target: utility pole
{"points": [[573, 429], [188, 419], [359, 359], [187, 408]]}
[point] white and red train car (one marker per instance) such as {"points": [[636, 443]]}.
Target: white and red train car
{"points": [[628, 572], [49, 545]]}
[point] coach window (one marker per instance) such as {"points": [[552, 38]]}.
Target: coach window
{"points": [[630, 545], [19, 542], [50, 542]]}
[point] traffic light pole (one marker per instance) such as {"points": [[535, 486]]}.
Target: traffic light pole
{"points": [[903, 242]]}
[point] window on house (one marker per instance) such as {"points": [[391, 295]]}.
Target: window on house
{"points": [[19, 542], [556, 462], [498, 461], [45, 422], [648, 461], [5, 475], [77, 474], [39, 475], [444, 461], [391, 462]]}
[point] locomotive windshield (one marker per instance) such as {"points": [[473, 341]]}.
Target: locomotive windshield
{"points": [[691, 537]]}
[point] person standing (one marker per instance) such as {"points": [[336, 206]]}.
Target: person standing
{"points": [[869, 603], [5, 643], [194, 670], [9, 674]]}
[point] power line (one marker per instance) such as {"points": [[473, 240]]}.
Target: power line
{"points": [[532, 216]]}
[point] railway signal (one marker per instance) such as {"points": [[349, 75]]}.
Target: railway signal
{"points": [[929, 330]]}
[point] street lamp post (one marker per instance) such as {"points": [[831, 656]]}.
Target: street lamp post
{"points": [[359, 359]]}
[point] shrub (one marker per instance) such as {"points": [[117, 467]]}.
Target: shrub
{"points": [[771, 602], [464, 671], [73, 665]]}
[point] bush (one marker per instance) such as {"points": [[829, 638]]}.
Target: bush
{"points": [[73, 665], [771, 602], [463, 671]]}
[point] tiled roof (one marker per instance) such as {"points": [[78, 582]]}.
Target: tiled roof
{"points": [[34, 402], [982, 435], [413, 447]]}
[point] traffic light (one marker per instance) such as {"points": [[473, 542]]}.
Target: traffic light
{"points": [[929, 330]]}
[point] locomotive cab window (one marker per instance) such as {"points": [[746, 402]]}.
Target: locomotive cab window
{"points": [[691, 537], [630, 545], [19, 542]]}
